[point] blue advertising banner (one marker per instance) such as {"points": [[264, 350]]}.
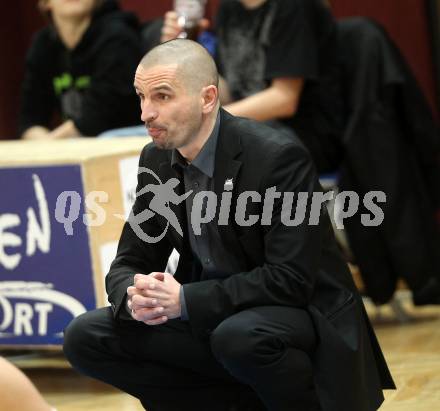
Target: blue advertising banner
{"points": [[46, 276]]}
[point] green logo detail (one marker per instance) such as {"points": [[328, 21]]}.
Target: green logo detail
{"points": [[82, 82], [65, 81]]}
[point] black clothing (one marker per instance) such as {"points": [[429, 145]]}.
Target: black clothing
{"points": [[212, 259], [280, 265], [91, 84], [361, 114], [392, 144], [287, 38], [169, 369]]}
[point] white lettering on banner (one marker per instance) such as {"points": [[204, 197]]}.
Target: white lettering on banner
{"points": [[43, 310], [18, 315], [37, 235], [23, 317], [24, 314], [9, 261]]}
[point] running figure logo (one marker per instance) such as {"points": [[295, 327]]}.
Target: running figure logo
{"points": [[164, 194]]}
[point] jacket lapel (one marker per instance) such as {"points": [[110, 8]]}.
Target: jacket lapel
{"points": [[166, 173], [227, 168]]}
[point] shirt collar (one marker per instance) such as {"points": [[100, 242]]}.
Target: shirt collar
{"points": [[205, 160]]}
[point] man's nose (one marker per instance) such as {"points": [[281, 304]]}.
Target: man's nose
{"points": [[149, 113]]}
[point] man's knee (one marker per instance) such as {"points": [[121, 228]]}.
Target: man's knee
{"points": [[80, 337], [251, 340], [236, 345]]}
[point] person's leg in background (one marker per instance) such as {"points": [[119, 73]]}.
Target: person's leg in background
{"points": [[164, 366], [271, 349], [17, 393]]}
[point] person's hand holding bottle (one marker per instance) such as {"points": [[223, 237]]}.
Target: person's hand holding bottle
{"points": [[185, 21]]}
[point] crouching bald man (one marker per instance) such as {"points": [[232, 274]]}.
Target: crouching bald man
{"points": [[261, 313]]}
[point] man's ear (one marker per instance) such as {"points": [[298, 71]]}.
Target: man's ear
{"points": [[209, 97]]}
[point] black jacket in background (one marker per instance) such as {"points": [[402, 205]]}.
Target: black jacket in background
{"points": [[91, 84], [391, 144]]}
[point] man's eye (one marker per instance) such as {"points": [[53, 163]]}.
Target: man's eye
{"points": [[164, 97]]}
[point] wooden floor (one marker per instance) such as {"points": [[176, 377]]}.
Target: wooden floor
{"points": [[412, 351]]}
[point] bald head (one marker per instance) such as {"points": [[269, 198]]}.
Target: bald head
{"points": [[195, 67]]}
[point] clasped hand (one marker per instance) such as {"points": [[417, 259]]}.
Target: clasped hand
{"points": [[154, 298]]}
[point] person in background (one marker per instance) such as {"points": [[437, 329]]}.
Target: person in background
{"points": [[17, 393], [79, 71], [279, 62]]}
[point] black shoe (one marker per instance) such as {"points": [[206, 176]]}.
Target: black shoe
{"points": [[429, 294]]}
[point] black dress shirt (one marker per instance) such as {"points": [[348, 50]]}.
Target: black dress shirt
{"points": [[211, 258]]}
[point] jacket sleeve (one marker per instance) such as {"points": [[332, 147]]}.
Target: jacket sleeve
{"points": [[38, 102], [134, 254], [291, 253], [110, 101]]}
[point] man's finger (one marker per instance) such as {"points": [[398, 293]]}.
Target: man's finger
{"points": [[131, 291], [146, 314], [144, 281], [152, 284], [139, 276], [158, 276], [138, 302], [156, 294]]}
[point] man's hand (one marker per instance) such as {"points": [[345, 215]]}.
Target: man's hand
{"points": [[154, 298], [171, 28]]}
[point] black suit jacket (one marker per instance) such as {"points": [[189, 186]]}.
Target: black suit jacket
{"points": [[280, 265]]}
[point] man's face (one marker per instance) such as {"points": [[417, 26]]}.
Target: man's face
{"points": [[171, 111]]}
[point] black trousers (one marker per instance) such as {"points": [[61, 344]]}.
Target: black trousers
{"points": [[254, 360]]}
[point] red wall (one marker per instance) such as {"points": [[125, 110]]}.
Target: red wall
{"points": [[147, 9], [18, 20], [405, 20]]}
